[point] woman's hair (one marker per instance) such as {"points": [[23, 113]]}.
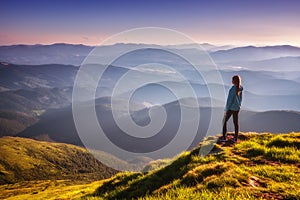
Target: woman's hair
{"points": [[237, 82]]}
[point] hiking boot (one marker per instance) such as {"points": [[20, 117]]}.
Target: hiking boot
{"points": [[222, 139], [234, 140]]}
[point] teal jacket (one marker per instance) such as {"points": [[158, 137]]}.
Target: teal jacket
{"points": [[234, 101]]}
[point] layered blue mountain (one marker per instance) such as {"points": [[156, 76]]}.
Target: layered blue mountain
{"points": [[36, 90]]}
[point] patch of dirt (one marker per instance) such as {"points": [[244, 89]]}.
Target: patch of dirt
{"points": [[256, 182], [270, 196], [264, 161], [259, 160]]}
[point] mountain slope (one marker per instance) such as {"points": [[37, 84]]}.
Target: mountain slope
{"points": [[260, 166], [252, 53], [26, 159], [30, 101], [13, 77], [12, 123], [288, 63], [65, 131]]}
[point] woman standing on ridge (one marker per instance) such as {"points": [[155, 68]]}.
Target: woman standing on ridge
{"points": [[233, 106]]}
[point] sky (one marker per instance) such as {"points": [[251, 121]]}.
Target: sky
{"points": [[231, 22]]}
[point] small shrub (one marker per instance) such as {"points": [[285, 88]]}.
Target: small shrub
{"points": [[256, 151], [282, 142], [289, 155]]}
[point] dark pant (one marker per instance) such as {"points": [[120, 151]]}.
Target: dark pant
{"points": [[235, 115]]}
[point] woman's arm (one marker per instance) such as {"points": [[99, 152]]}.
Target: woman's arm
{"points": [[241, 97], [229, 99]]}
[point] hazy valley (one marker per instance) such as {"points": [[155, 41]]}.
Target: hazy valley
{"points": [[36, 85]]}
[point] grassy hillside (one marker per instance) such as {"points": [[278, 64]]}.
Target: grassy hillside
{"points": [[260, 166], [26, 159]]}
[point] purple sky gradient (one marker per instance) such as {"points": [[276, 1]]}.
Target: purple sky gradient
{"points": [[256, 22]]}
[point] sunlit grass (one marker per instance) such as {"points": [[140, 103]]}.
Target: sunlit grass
{"points": [[263, 166], [183, 193], [259, 167], [63, 189], [279, 148]]}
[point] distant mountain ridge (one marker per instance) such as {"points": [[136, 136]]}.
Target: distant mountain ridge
{"points": [[65, 131], [13, 77], [287, 63], [59, 53], [30, 87], [71, 54], [252, 53]]}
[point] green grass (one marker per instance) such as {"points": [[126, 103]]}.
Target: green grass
{"points": [[117, 163], [156, 164], [260, 166], [24, 159], [280, 148], [183, 193], [47, 189], [263, 166]]}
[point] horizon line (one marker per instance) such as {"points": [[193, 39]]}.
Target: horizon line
{"points": [[128, 43]]}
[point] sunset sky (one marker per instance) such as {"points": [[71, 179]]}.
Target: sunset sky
{"points": [[235, 22]]}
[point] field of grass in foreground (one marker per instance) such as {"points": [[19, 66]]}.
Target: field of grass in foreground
{"points": [[47, 189], [260, 166]]}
